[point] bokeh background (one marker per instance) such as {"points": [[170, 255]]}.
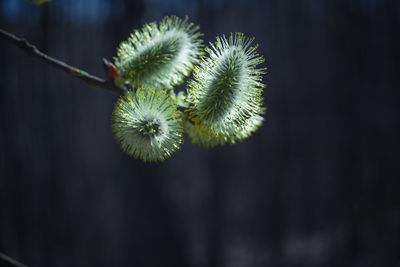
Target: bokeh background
{"points": [[317, 185]]}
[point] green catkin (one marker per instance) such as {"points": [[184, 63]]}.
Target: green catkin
{"points": [[147, 124], [159, 55], [225, 93]]}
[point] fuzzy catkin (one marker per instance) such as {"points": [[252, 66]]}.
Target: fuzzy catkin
{"points": [[159, 55], [225, 93], [147, 124]]}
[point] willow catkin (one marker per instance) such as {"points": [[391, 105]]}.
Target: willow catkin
{"points": [[159, 55], [147, 124], [225, 93]]}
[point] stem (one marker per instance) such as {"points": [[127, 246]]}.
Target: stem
{"points": [[11, 260], [31, 50]]}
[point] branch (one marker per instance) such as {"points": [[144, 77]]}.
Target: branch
{"points": [[91, 80], [31, 50], [11, 260]]}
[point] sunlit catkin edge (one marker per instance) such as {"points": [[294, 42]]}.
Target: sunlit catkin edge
{"points": [[202, 136]]}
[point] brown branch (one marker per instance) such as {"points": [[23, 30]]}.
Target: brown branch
{"points": [[11, 261], [89, 79]]}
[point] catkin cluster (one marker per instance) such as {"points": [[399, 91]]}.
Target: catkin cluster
{"points": [[223, 101]]}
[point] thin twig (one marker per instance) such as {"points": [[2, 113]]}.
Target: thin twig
{"points": [[11, 260], [89, 79]]}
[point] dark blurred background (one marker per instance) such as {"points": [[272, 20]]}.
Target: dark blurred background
{"points": [[317, 185]]}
